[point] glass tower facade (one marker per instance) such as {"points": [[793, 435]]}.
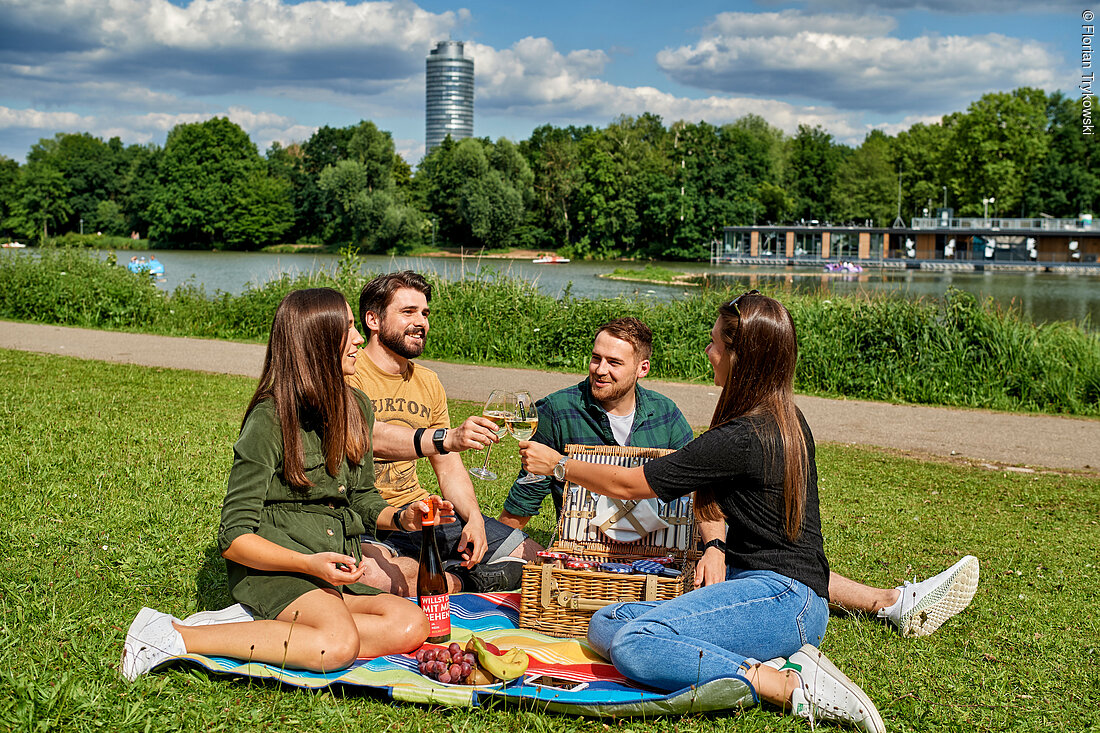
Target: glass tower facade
{"points": [[449, 94]]}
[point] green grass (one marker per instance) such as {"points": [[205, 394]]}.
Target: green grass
{"points": [[651, 274], [113, 478]]}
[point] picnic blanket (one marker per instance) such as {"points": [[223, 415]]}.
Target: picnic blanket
{"points": [[495, 618]]}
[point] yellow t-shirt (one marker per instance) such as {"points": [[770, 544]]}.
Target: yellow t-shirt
{"points": [[415, 399]]}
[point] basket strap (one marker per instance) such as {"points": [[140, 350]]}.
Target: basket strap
{"points": [[624, 509]]}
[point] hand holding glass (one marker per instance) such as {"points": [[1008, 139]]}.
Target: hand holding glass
{"points": [[522, 425], [497, 408]]}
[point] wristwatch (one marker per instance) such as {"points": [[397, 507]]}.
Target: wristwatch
{"points": [[559, 469], [720, 544], [437, 440]]}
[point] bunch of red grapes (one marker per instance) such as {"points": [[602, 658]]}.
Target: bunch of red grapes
{"points": [[449, 666]]}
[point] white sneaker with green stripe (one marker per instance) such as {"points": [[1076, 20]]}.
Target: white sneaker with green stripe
{"points": [[827, 694]]}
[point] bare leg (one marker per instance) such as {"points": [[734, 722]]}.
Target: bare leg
{"points": [[387, 623], [848, 595], [772, 685], [528, 550], [395, 574], [512, 520], [317, 632]]}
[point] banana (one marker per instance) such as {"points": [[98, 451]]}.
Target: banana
{"points": [[509, 666]]}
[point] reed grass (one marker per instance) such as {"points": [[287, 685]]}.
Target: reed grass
{"points": [[955, 350]]}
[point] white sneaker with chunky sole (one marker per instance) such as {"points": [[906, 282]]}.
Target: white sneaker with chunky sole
{"points": [[923, 607], [827, 694]]}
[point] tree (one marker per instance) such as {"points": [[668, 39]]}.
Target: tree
{"points": [[1066, 183], [995, 146], [918, 156], [552, 155], [811, 172], [206, 175], [866, 184], [476, 190], [41, 201], [364, 205], [9, 178], [93, 171]]}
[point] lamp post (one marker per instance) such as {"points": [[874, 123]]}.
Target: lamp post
{"points": [[945, 197], [81, 226], [986, 203]]}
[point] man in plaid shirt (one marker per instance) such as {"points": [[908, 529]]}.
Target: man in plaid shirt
{"points": [[608, 408]]}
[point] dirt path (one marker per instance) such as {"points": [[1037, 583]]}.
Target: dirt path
{"points": [[1036, 441]]}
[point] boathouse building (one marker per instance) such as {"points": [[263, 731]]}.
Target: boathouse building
{"points": [[927, 243]]}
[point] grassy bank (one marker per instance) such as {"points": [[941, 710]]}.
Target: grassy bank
{"points": [[109, 500], [953, 351]]}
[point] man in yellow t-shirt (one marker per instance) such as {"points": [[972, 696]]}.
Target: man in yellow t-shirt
{"points": [[479, 553]]}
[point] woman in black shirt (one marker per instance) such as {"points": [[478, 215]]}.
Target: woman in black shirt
{"points": [[755, 469]]}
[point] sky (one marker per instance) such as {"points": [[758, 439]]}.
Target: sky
{"points": [[282, 68]]}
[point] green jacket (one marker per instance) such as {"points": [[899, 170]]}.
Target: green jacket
{"points": [[328, 517]]}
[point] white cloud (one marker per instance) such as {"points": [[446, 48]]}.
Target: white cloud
{"points": [[212, 46], [850, 61], [39, 120], [535, 81]]}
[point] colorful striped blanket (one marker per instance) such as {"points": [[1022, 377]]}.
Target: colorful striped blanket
{"points": [[601, 690]]}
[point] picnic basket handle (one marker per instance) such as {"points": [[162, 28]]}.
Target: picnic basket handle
{"points": [[574, 602]]}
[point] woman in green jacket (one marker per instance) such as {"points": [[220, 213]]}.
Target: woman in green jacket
{"points": [[301, 492]]}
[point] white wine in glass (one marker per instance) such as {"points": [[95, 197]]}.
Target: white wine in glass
{"points": [[524, 423], [497, 408]]}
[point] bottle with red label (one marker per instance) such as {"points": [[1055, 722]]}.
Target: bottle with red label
{"points": [[431, 581]]}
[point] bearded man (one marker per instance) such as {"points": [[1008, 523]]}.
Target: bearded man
{"points": [[479, 553]]}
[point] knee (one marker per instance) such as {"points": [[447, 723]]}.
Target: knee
{"points": [[337, 651], [416, 630], [408, 626], [631, 650]]}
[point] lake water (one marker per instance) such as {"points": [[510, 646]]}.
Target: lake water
{"points": [[1042, 297]]}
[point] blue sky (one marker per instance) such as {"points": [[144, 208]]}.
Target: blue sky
{"points": [[281, 68]]}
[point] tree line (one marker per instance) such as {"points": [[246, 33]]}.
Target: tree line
{"points": [[633, 188]]}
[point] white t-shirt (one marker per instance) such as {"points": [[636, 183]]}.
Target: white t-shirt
{"points": [[621, 426]]}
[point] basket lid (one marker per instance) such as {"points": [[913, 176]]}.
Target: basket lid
{"points": [[610, 527]]}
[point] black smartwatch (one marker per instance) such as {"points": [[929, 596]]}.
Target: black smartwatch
{"points": [[720, 544], [437, 440]]}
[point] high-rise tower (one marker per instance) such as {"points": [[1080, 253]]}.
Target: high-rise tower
{"points": [[449, 94]]}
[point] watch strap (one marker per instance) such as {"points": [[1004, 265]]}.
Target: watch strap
{"points": [[437, 440], [720, 544]]}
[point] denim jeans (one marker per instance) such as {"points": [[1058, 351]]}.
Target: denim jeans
{"points": [[709, 633]]}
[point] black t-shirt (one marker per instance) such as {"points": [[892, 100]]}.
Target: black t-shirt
{"points": [[748, 486]]}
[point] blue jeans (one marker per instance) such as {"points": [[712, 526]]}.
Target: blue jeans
{"points": [[709, 633]]}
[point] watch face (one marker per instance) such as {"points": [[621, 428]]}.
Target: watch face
{"points": [[559, 470]]}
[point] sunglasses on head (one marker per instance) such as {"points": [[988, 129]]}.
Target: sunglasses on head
{"points": [[733, 303]]}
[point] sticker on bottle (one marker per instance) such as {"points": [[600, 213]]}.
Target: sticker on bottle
{"points": [[438, 611]]}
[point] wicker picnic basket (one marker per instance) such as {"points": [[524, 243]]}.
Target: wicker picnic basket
{"points": [[559, 601]]}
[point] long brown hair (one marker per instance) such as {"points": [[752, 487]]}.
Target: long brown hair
{"points": [[302, 374], [762, 350]]}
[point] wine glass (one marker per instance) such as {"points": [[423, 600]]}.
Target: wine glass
{"points": [[497, 408], [523, 424]]}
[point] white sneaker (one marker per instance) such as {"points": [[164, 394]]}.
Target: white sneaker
{"points": [[923, 607], [234, 614], [827, 694], [150, 640]]}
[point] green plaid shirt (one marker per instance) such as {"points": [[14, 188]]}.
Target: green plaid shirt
{"points": [[572, 415]]}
